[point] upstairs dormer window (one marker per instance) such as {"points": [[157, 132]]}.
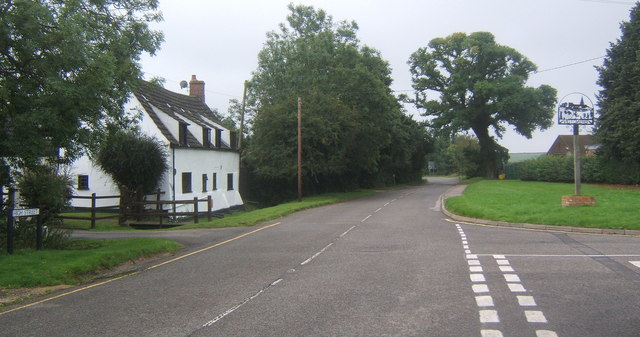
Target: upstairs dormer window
{"points": [[206, 137], [218, 138], [182, 134]]}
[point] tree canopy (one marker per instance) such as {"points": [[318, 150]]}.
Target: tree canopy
{"points": [[350, 115], [481, 86], [618, 125], [66, 68]]}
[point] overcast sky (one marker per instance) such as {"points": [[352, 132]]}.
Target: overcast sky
{"points": [[219, 40]]}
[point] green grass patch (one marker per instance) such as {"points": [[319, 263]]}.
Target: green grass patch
{"points": [[81, 262], [102, 225], [246, 218], [540, 203]]}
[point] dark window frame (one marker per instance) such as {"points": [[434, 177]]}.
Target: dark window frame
{"points": [[204, 182], [229, 181], [206, 137], [186, 183], [83, 182], [183, 129], [215, 181]]}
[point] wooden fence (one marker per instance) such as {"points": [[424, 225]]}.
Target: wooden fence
{"points": [[156, 211], [93, 209]]}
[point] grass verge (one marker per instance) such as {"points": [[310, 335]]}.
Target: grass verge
{"points": [[540, 203], [250, 218], [236, 219], [83, 261]]}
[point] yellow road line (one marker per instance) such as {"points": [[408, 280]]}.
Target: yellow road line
{"points": [[138, 272], [210, 247]]}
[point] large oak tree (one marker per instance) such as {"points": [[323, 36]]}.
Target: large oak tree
{"points": [[470, 82]]}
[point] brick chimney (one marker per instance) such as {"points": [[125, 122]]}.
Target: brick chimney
{"points": [[196, 88]]}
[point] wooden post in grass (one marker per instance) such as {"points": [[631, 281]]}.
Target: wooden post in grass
{"points": [[93, 210], [576, 159], [158, 206], [195, 209]]}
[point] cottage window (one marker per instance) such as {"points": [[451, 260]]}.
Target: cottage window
{"points": [[83, 182], [214, 177], [204, 182], [230, 182], [206, 137], [182, 134], [218, 138], [186, 182]]}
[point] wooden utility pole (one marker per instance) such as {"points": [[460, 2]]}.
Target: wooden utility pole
{"points": [[576, 158], [244, 102], [299, 149]]}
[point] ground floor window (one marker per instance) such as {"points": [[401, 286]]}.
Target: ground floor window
{"points": [[229, 181], [204, 182], [186, 182], [83, 182]]}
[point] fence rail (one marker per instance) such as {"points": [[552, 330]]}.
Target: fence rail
{"points": [[159, 213]]}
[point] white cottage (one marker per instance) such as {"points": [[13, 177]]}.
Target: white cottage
{"points": [[203, 158]]}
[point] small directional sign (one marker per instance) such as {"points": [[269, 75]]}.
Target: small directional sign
{"points": [[26, 212]]}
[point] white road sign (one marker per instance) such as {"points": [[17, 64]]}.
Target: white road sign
{"points": [[26, 212]]}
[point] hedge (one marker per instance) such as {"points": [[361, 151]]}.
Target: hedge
{"points": [[594, 170]]}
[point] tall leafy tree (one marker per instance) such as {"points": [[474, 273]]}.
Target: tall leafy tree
{"points": [[618, 126], [481, 87], [66, 68], [348, 107]]}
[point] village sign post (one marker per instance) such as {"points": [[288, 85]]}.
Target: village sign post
{"points": [[576, 114]]}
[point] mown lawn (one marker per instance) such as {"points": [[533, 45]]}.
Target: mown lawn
{"points": [[81, 262], [540, 203]]}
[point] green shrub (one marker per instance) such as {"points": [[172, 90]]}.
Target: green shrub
{"points": [[595, 169], [43, 188]]}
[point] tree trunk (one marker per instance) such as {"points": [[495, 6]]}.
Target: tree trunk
{"points": [[487, 152]]}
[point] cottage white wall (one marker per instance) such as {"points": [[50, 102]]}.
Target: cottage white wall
{"points": [[199, 162], [99, 183], [196, 161]]}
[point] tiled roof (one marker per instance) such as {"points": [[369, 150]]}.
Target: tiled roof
{"points": [[563, 145], [179, 107]]}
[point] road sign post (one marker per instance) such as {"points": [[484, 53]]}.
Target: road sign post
{"points": [[11, 222]]}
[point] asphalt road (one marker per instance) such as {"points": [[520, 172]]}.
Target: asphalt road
{"points": [[386, 265]]}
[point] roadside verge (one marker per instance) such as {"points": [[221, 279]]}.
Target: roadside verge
{"points": [[458, 190]]}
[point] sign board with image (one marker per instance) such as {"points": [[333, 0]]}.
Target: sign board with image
{"points": [[570, 113]]}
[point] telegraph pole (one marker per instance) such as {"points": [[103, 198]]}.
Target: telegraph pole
{"points": [[299, 149], [244, 102]]}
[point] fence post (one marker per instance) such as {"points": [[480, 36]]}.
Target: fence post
{"points": [[123, 214], [93, 210], [158, 206], [195, 209], [209, 204]]}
